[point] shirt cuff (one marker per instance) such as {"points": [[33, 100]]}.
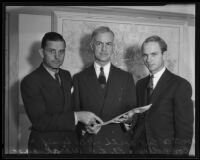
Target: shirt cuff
{"points": [[76, 119]]}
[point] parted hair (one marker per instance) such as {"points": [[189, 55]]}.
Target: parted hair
{"points": [[101, 29], [51, 36], [158, 39]]}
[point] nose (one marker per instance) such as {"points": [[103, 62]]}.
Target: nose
{"points": [[56, 55], [148, 59], [103, 48]]}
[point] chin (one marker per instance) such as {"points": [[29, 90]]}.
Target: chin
{"points": [[55, 67], [105, 59]]}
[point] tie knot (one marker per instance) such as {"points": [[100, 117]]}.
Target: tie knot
{"points": [[56, 75], [57, 78], [101, 69], [152, 76]]}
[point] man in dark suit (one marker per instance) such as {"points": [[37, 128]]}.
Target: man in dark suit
{"points": [[46, 93], [106, 91], [167, 127]]}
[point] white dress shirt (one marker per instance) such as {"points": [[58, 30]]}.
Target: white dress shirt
{"points": [[157, 76], [106, 69]]}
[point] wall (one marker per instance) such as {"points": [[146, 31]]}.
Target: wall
{"points": [[25, 33], [31, 30]]}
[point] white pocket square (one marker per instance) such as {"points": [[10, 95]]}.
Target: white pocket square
{"points": [[72, 89]]}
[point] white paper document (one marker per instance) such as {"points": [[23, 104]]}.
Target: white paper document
{"points": [[135, 110]]}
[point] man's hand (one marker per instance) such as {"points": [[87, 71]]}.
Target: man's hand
{"points": [[93, 129], [126, 118], [88, 118]]}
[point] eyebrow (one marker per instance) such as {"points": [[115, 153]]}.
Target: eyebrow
{"points": [[103, 42], [149, 53]]}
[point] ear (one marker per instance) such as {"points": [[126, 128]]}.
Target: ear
{"points": [[41, 52], [164, 55], [113, 48], [91, 45]]}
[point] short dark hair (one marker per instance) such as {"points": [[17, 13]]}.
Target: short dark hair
{"points": [[51, 36], [101, 29], [158, 39]]}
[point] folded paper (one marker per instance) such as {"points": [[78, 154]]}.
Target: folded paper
{"points": [[135, 110]]}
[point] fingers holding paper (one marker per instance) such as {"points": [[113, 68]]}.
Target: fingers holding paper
{"points": [[93, 129], [125, 118], [88, 118]]}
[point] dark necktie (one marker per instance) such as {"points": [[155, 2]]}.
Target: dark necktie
{"points": [[102, 78], [150, 88], [57, 78]]}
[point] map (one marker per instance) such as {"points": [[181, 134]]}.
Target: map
{"points": [[128, 39]]}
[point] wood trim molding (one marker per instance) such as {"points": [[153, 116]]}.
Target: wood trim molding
{"points": [[13, 84], [106, 10]]}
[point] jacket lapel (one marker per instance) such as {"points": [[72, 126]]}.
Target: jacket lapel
{"points": [[65, 87], [142, 93], [93, 86], [160, 87], [112, 85], [48, 79]]}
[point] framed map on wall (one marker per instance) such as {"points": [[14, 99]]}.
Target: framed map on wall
{"points": [[129, 35]]}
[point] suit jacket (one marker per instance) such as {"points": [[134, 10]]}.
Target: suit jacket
{"points": [[119, 98], [169, 122], [50, 111]]}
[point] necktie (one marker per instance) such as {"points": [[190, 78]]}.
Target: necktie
{"points": [[102, 78], [150, 88], [57, 78]]}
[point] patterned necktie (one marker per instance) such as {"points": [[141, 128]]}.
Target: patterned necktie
{"points": [[57, 78], [150, 88], [102, 78]]}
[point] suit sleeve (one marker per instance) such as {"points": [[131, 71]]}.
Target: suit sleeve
{"points": [[130, 93], [184, 118], [36, 109], [76, 98]]}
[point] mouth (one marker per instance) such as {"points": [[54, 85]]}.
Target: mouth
{"points": [[150, 65], [56, 62], [104, 54]]}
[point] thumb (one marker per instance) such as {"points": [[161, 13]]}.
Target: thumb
{"points": [[98, 119]]}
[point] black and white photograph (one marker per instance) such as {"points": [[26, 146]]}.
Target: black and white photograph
{"points": [[100, 81]]}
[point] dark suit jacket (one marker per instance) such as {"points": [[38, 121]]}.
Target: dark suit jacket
{"points": [[49, 109], [169, 121], [120, 97]]}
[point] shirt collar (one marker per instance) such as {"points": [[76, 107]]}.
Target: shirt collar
{"points": [[159, 73], [50, 71], [157, 76], [106, 69]]}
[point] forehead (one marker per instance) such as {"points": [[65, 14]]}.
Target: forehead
{"points": [[55, 44], [104, 36], [150, 47]]}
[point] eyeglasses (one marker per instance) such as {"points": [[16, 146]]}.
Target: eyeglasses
{"points": [[53, 51]]}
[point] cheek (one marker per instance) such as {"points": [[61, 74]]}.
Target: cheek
{"points": [[62, 57], [47, 58], [97, 51], [110, 50], [144, 59]]}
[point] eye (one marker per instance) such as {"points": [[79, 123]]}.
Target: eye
{"points": [[49, 50], [109, 43], [52, 51], [144, 55], [98, 43], [154, 54], [62, 51]]}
